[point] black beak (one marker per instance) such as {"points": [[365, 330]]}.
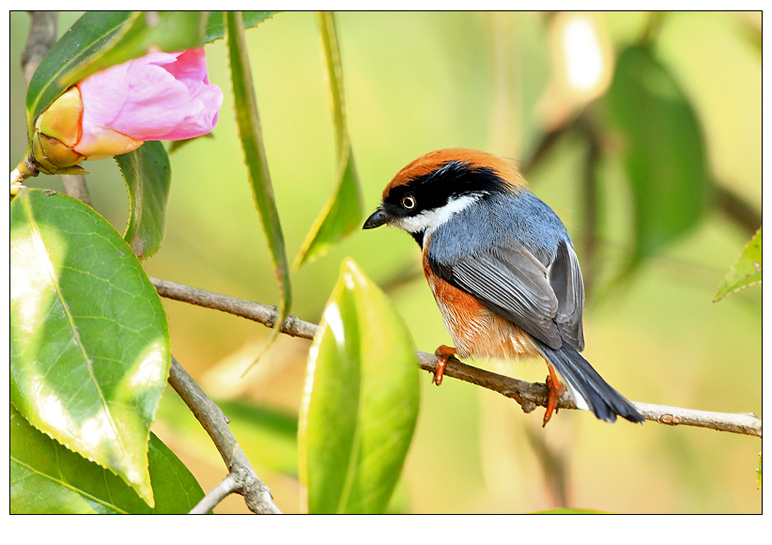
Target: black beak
{"points": [[376, 219]]}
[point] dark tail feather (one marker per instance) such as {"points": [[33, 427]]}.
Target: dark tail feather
{"points": [[604, 401]]}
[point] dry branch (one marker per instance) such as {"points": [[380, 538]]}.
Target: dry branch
{"points": [[528, 395], [256, 495]]}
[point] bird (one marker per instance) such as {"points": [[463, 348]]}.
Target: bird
{"points": [[502, 269]]}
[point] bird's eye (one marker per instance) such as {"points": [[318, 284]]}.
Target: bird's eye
{"points": [[408, 202]]}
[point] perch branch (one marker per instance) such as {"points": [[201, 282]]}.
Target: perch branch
{"points": [[256, 495], [528, 395]]}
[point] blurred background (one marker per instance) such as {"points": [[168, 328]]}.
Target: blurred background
{"points": [[509, 84]]}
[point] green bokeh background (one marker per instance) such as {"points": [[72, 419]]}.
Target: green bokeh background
{"points": [[417, 82]]}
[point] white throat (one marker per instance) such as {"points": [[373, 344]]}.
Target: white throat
{"points": [[429, 220]]}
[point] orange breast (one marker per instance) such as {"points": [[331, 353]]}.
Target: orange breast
{"points": [[476, 330]]}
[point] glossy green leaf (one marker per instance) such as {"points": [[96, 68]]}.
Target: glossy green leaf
{"points": [[758, 473], [343, 212], [89, 339], [90, 34], [148, 175], [663, 148], [215, 26], [148, 32], [360, 401], [101, 39], [251, 136], [746, 271], [47, 478]]}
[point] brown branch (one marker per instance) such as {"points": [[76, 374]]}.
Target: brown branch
{"points": [[256, 312], [226, 487], [528, 395], [543, 147], [737, 209], [41, 38], [256, 495]]}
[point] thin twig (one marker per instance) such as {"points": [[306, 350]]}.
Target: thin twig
{"points": [[528, 395], [264, 314], [226, 487], [737, 209], [546, 143], [75, 186], [256, 494]]}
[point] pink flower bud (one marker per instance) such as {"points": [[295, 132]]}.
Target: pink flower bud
{"points": [[161, 96]]}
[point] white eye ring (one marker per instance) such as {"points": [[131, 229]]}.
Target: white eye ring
{"points": [[408, 202]]}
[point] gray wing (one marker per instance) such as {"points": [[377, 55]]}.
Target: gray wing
{"points": [[545, 301]]}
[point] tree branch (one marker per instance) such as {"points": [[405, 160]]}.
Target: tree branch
{"points": [[737, 209], [528, 395], [40, 40], [246, 482], [226, 487]]}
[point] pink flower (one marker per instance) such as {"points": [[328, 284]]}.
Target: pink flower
{"points": [[161, 96]]}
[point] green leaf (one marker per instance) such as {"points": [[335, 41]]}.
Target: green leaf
{"points": [[148, 32], [89, 339], [343, 212], [90, 34], [47, 478], [99, 40], [758, 473], [215, 26], [148, 175], [663, 150], [361, 400], [251, 136], [746, 271]]}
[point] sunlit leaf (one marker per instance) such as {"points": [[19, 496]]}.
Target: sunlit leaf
{"points": [[758, 474], [147, 174], [251, 136], [215, 26], [343, 212], [47, 478], [360, 401], [101, 39], [663, 150], [746, 271], [89, 339]]}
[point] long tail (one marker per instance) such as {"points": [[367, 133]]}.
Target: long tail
{"points": [[603, 400]]}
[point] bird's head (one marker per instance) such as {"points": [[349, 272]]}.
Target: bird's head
{"points": [[430, 190]]}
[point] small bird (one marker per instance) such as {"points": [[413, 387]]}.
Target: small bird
{"points": [[502, 269]]}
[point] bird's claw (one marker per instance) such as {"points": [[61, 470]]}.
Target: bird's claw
{"points": [[443, 353], [556, 390]]}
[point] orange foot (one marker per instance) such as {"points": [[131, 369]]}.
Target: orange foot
{"points": [[442, 353], [556, 390]]}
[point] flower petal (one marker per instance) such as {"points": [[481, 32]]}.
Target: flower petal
{"points": [[161, 96]]}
